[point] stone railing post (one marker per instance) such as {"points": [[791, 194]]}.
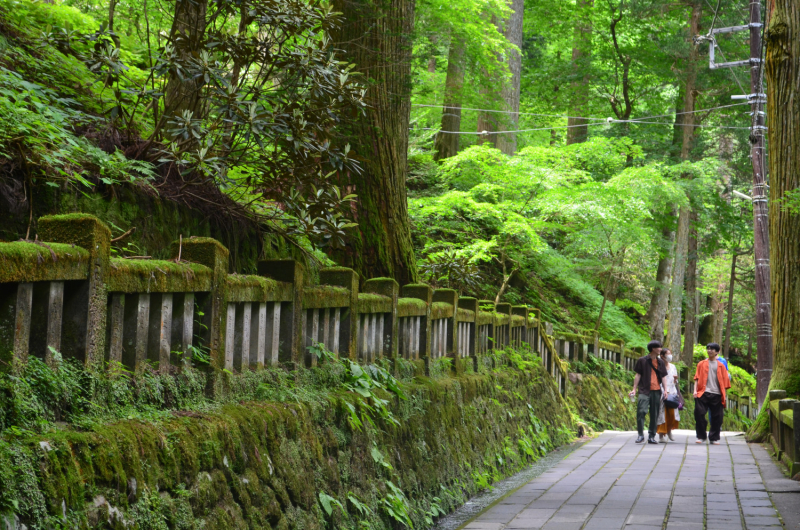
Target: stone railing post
{"points": [[774, 416], [493, 329], [347, 278], [521, 311], [504, 333], [210, 252], [290, 350], [620, 356], [390, 288], [449, 296], [423, 292], [86, 231], [794, 465], [470, 347], [536, 339]]}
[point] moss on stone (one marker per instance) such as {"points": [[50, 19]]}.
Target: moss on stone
{"points": [[465, 315], [441, 310], [30, 262], [322, 296], [485, 317], [251, 288], [260, 464], [157, 276], [374, 303], [410, 307]]}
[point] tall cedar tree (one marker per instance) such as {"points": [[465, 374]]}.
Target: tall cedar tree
{"points": [[684, 214], [783, 116], [446, 144], [578, 129], [375, 36]]}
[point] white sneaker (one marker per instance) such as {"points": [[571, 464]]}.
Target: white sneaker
{"points": [[699, 441], [715, 442], [661, 439], [669, 435]]}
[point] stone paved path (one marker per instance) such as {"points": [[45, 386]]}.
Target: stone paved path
{"points": [[610, 483]]}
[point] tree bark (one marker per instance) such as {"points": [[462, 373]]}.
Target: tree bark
{"points": [[689, 336], [783, 116], [507, 143], [660, 298], [375, 36], [446, 144], [578, 130], [187, 33], [682, 236], [729, 320], [676, 290]]}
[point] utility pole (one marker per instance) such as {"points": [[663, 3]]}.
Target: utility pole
{"points": [[760, 209], [757, 99]]}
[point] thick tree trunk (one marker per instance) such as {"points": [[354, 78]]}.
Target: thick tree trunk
{"points": [[783, 116], [689, 336], [578, 129], [660, 298], [446, 144], [187, 33], [507, 143], [682, 236], [375, 36], [676, 290]]}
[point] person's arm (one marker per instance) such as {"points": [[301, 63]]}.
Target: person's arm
{"points": [[635, 383]]}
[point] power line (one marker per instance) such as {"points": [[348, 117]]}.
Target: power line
{"points": [[607, 122], [690, 112], [505, 112], [578, 117]]}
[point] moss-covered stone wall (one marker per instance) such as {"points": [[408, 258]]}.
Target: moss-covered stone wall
{"points": [[263, 464]]}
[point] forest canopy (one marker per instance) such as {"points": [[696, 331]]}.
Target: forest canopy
{"points": [[577, 156]]}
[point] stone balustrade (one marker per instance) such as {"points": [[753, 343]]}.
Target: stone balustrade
{"points": [[68, 293], [784, 436]]}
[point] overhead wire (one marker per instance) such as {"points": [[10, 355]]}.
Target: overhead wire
{"points": [[505, 112], [599, 121], [580, 117], [488, 133]]}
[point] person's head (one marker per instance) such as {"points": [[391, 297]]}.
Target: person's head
{"points": [[654, 347], [666, 354], [713, 350]]}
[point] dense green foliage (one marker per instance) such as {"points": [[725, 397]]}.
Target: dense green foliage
{"points": [[154, 451]]}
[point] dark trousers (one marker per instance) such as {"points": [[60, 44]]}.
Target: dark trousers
{"points": [[648, 404], [711, 404]]}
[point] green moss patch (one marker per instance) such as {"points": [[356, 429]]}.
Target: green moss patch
{"points": [[465, 315], [441, 310], [411, 307], [264, 463], [374, 303], [157, 276], [30, 262], [251, 288], [322, 296]]}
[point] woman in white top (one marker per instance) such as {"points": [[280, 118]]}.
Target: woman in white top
{"points": [[669, 418]]}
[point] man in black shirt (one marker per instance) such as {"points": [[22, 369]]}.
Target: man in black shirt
{"points": [[649, 369]]}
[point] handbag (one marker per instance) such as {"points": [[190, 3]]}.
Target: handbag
{"points": [[673, 401]]}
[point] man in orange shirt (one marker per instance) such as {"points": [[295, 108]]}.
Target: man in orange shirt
{"points": [[712, 381], [650, 370]]}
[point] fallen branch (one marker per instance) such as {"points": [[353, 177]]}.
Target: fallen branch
{"points": [[123, 236]]}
